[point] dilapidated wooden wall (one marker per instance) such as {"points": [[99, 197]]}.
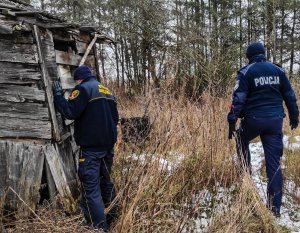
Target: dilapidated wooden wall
{"points": [[36, 144]]}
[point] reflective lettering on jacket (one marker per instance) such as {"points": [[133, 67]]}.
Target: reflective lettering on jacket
{"points": [[271, 80]]}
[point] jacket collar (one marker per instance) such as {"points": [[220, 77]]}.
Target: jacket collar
{"points": [[88, 78], [257, 58]]}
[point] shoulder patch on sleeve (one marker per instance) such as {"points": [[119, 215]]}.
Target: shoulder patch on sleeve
{"points": [[237, 84], [74, 94]]}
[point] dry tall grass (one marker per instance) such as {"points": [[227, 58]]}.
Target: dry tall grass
{"points": [[156, 193]]}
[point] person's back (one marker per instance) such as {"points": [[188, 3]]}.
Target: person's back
{"points": [[96, 127], [266, 83], [257, 99], [94, 109]]}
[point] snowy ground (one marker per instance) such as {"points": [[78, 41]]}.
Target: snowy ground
{"points": [[290, 212]]}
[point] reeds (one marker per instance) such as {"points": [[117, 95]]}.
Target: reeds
{"points": [[183, 170]]}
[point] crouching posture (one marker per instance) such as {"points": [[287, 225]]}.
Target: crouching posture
{"points": [[260, 90], [94, 109]]}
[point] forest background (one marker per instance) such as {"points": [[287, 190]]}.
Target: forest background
{"points": [[196, 42]]}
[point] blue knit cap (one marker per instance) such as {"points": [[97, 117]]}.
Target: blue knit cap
{"points": [[254, 49], [83, 72]]}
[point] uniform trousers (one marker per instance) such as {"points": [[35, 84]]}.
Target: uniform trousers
{"points": [[97, 188], [270, 132]]}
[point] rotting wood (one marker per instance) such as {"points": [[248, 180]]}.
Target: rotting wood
{"points": [[66, 153], [17, 93], [66, 58], [24, 164], [46, 85], [59, 177], [9, 47], [18, 57], [31, 111], [24, 128], [22, 37], [30, 180], [3, 172], [17, 73], [51, 66], [50, 182]]}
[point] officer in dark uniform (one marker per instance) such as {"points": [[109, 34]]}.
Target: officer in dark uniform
{"points": [[94, 109], [258, 96]]}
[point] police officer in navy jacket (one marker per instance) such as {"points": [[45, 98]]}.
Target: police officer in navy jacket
{"points": [[258, 96], [94, 109]]}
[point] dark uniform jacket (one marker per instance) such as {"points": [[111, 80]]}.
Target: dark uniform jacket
{"points": [[260, 90], [94, 109]]}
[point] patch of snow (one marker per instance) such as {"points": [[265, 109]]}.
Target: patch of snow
{"points": [[290, 211], [168, 163]]}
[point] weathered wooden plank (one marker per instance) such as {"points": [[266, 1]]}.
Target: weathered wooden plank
{"points": [[32, 111], [19, 74], [66, 58], [66, 79], [17, 93], [47, 86], [9, 47], [24, 128], [3, 172], [20, 37], [66, 153], [30, 180], [51, 184], [19, 57], [8, 26], [56, 166], [23, 163]]}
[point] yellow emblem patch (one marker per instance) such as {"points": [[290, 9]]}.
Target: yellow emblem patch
{"points": [[104, 90], [74, 94]]}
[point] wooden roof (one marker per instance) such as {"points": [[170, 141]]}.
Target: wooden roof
{"points": [[31, 15]]}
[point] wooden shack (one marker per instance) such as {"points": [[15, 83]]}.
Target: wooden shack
{"points": [[37, 149]]}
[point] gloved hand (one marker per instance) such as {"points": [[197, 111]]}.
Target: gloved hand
{"points": [[56, 88], [231, 130], [294, 122]]}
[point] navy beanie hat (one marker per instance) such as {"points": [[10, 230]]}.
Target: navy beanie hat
{"points": [[254, 49], [83, 72]]}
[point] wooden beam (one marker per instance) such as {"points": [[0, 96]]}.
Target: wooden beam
{"points": [[30, 111], [51, 183], [21, 94], [48, 88], [18, 57], [24, 128], [88, 49], [18, 73], [59, 177]]}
